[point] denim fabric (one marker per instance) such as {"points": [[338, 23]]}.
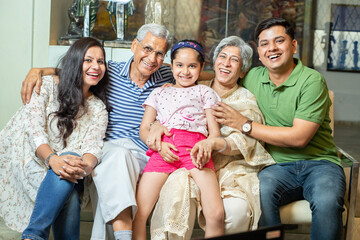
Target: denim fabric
{"points": [[321, 183], [57, 204]]}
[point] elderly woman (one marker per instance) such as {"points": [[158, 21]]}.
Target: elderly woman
{"points": [[237, 157]]}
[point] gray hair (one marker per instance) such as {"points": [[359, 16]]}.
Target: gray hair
{"points": [[157, 30], [246, 51]]}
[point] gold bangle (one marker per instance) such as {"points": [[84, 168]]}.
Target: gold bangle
{"points": [[226, 144]]}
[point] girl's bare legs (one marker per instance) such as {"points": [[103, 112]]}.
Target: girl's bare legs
{"points": [[211, 201], [147, 194]]}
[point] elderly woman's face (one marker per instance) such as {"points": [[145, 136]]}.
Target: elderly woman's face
{"points": [[228, 65]]}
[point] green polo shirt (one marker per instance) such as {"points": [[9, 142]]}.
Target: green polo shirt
{"points": [[303, 95]]}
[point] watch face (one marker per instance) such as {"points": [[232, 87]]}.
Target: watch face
{"points": [[246, 127]]}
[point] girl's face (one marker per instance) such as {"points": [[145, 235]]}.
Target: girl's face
{"points": [[186, 67], [93, 67]]}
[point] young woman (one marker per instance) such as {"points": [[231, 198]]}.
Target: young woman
{"points": [[52, 144], [185, 108]]}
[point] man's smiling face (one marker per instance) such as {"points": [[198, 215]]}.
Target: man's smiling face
{"points": [[276, 49], [147, 64]]}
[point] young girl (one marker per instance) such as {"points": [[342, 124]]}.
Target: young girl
{"points": [[52, 143], [185, 109]]}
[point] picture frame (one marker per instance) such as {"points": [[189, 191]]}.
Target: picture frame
{"points": [[344, 37]]}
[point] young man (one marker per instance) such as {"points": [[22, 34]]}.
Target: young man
{"points": [[124, 153], [295, 103]]}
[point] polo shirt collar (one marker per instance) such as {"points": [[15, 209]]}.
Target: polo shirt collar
{"points": [[292, 79], [156, 76], [294, 76], [125, 71]]}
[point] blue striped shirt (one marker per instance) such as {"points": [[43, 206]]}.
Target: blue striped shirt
{"points": [[126, 99]]}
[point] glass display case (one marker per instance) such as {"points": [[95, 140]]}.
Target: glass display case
{"points": [[208, 21]]}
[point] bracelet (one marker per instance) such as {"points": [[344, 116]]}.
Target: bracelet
{"points": [[48, 158], [224, 148]]}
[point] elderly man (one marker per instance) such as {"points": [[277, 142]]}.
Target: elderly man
{"points": [[124, 153]]}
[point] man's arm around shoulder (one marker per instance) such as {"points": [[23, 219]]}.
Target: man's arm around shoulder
{"points": [[33, 79]]}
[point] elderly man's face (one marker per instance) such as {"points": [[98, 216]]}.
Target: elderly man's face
{"points": [[228, 65], [148, 63]]}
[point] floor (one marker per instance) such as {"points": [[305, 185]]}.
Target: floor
{"points": [[347, 137]]}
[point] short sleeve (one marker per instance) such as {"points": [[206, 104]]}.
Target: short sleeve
{"points": [[153, 98], [209, 97], [314, 102]]}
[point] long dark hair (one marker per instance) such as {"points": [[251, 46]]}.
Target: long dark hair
{"points": [[71, 97]]}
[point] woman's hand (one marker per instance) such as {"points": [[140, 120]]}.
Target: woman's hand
{"points": [[153, 140], [224, 114], [201, 152], [167, 154], [69, 167]]}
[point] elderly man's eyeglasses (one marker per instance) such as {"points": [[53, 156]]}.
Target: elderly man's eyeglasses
{"points": [[149, 50]]}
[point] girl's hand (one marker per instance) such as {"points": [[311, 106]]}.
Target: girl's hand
{"points": [[167, 154], [153, 140], [69, 167], [224, 114], [201, 152]]}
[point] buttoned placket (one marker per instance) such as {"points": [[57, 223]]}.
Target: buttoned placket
{"points": [[274, 96]]}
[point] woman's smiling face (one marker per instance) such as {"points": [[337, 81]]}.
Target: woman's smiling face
{"points": [[228, 66], [93, 67]]}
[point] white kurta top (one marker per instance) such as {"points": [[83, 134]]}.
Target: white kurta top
{"points": [[21, 172]]}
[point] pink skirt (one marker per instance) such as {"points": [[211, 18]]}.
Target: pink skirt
{"points": [[182, 140]]}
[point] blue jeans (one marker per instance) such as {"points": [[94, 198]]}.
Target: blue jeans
{"points": [[57, 204], [321, 183]]}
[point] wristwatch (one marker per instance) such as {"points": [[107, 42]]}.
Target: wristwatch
{"points": [[246, 127]]}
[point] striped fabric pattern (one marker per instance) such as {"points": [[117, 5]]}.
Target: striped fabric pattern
{"points": [[126, 99]]}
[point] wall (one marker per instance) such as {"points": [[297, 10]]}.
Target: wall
{"points": [[346, 88], [22, 45], [24, 42]]}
